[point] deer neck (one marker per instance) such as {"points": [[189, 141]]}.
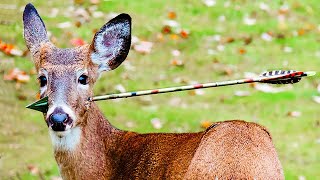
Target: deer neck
{"points": [[90, 145]]}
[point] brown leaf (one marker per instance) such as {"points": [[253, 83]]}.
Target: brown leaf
{"points": [[172, 15], [294, 114], [205, 124], [156, 123], [143, 47], [33, 169], [166, 29], [174, 37], [23, 78], [247, 40], [77, 42], [242, 51], [177, 62], [184, 34]]}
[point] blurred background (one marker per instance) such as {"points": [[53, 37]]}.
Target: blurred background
{"points": [[174, 43]]}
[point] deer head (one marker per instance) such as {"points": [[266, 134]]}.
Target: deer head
{"points": [[67, 76]]}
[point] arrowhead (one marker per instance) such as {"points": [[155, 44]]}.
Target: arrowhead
{"points": [[40, 105]]}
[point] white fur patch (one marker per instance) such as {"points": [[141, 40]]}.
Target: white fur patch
{"points": [[65, 140]]}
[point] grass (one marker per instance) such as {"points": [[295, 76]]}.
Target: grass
{"points": [[23, 135]]}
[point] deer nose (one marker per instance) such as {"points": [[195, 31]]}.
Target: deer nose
{"points": [[58, 117]]}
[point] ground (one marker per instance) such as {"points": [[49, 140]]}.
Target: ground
{"points": [[219, 42]]}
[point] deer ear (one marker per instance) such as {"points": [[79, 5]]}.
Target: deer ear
{"points": [[111, 44], [34, 30]]}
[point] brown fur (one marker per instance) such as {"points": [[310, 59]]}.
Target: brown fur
{"points": [[226, 150]]}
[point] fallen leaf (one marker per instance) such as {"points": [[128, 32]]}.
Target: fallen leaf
{"points": [[316, 99], [266, 37], [143, 47], [301, 32], [247, 20], [227, 71], [120, 88], [171, 23], [156, 123], [172, 15], [174, 37], [301, 177], [12, 75], [263, 6], [222, 18], [22, 78], [228, 40], [242, 93], [56, 178], [166, 29], [284, 9], [220, 47], [184, 33], [247, 40], [177, 62], [209, 3], [77, 42], [205, 124], [287, 49], [175, 53], [33, 169], [242, 51], [95, 2], [270, 89], [97, 14], [64, 25]]}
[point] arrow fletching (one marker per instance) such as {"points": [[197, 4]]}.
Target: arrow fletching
{"points": [[271, 77]]}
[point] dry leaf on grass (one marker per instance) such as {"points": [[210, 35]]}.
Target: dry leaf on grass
{"points": [[209, 3], [143, 47], [156, 123], [242, 93], [316, 99], [33, 169], [294, 114], [17, 75], [205, 124], [177, 62], [270, 89], [77, 42]]}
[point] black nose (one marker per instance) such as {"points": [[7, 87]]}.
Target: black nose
{"points": [[58, 120], [58, 117]]}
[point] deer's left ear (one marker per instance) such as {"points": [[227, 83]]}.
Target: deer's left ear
{"points": [[111, 44]]}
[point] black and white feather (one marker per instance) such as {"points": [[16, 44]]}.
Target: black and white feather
{"points": [[289, 80]]}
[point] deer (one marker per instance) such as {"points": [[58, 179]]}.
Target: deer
{"points": [[86, 145]]}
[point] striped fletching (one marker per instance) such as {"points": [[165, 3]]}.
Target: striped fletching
{"points": [[293, 76]]}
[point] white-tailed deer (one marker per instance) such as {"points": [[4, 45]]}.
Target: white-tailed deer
{"points": [[87, 146]]}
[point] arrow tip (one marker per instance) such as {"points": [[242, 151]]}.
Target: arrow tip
{"points": [[40, 105]]}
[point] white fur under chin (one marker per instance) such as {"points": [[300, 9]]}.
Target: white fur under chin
{"points": [[66, 140]]}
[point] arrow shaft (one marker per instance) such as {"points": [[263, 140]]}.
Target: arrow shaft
{"points": [[196, 86]]}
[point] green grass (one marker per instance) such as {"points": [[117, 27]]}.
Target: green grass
{"points": [[23, 134]]}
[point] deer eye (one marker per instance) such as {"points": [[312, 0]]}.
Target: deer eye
{"points": [[43, 81], [83, 79]]}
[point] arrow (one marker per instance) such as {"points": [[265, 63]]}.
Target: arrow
{"points": [[270, 77]]}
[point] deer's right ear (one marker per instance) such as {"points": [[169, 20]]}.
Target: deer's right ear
{"points": [[111, 44], [34, 30]]}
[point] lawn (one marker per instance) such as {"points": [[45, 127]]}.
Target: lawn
{"points": [[221, 42]]}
